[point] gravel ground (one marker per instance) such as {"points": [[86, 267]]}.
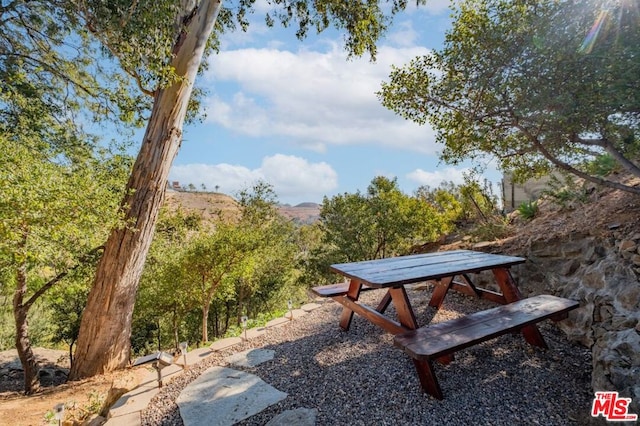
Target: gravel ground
{"points": [[359, 378]]}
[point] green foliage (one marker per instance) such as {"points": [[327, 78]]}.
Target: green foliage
{"points": [[495, 229], [566, 192], [471, 201], [67, 302], [49, 81], [381, 223], [232, 268], [602, 165], [528, 209], [519, 80]]}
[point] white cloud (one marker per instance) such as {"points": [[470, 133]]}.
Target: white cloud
{"points": [[404, 34], [292, 177], [311, 98], [434, 179]]}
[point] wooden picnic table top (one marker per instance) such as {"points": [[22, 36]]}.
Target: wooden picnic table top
{"points": [[398, 271]]}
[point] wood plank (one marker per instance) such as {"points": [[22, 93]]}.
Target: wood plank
{"points": [[440, 291], [403, 307], [371, 315], [428, 380], [391, 272], [353, 293], [332, 290], [512, 293], [554, 304], [483, 293], [447, 337]]}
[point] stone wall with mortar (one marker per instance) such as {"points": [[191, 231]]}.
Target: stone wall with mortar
{"points": [[603, 274]]}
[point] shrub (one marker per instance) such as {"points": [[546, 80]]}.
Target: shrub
{"points": [[528, 209]]}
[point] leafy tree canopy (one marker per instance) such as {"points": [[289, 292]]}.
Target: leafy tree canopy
{"points": [[537, 84], [381, 223]]}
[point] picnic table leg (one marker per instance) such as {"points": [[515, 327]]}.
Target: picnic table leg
{"points": [[511, 293], [440, 291], [384, 303], [406, 317], [428, 379], [347, 314]]}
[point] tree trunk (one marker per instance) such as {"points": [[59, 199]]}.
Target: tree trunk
{"points": [[23, 344], [105, 330], [205, 316]]}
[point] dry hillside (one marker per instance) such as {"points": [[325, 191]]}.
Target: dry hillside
{"points": [[211, 204]]}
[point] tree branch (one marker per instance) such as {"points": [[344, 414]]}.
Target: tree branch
{"points": [[611, 149], [83, 259], [567, 167], [88, 19]]}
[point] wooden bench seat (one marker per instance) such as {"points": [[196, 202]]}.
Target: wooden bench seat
{"points": [[333, 290], [440, 340]]}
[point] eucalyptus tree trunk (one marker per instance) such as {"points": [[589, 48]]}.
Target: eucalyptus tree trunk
{"points": [[104, 339]]}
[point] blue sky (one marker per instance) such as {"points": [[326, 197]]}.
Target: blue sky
{"points": [[304, 118]]}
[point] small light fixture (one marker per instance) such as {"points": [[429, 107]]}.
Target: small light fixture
{"points": [[183, 351], [290, 305], [58, 411], [244, 320]]}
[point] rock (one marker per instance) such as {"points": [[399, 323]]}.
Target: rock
{"points": [[222, 396], [297, 417], [629, 298], [251, 357], [603, 274], [628, 245]]}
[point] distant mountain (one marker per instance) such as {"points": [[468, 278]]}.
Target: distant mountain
{"points": [[303, 213], [210, 204]]}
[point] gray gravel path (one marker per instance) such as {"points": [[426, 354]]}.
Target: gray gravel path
{"points": [[360, 378]]}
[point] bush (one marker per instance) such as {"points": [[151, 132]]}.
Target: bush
{"points": [[565, 193], [602, 165], [528, 209], [490, 231]]}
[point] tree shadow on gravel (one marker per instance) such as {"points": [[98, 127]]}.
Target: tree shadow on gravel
{"points": [[359, 378]]}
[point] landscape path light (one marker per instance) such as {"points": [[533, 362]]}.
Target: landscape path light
{"points": [[58, 411], [183, 351], [290, 305], [159, 360], [244, 320]]}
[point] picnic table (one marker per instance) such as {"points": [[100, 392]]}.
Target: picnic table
{"points": [[448, 270]]}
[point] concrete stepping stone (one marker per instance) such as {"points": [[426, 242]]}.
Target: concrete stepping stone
{"points": [[223, 396], [252, 333], [296, 313], [308, 307], [277, 322], [221, 344], [251, 357], [297, 417]]}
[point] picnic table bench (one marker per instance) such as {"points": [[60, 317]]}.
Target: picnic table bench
{"points": [[449, 271], [436, 341]]}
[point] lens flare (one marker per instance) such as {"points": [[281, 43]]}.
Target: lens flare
{"points": [[590, 39]]}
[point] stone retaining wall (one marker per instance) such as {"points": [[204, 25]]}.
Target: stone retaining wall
{"points": [[603, 274]]}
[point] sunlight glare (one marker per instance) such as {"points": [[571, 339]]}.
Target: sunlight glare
{"points": [[590, 39]]}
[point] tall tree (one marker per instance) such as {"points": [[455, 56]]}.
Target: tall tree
{"points": [[53, 217], [161, 44], [537, 84], [212, 257]]}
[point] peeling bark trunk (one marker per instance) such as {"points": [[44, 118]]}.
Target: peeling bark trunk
{"points": [[104, 340]]}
